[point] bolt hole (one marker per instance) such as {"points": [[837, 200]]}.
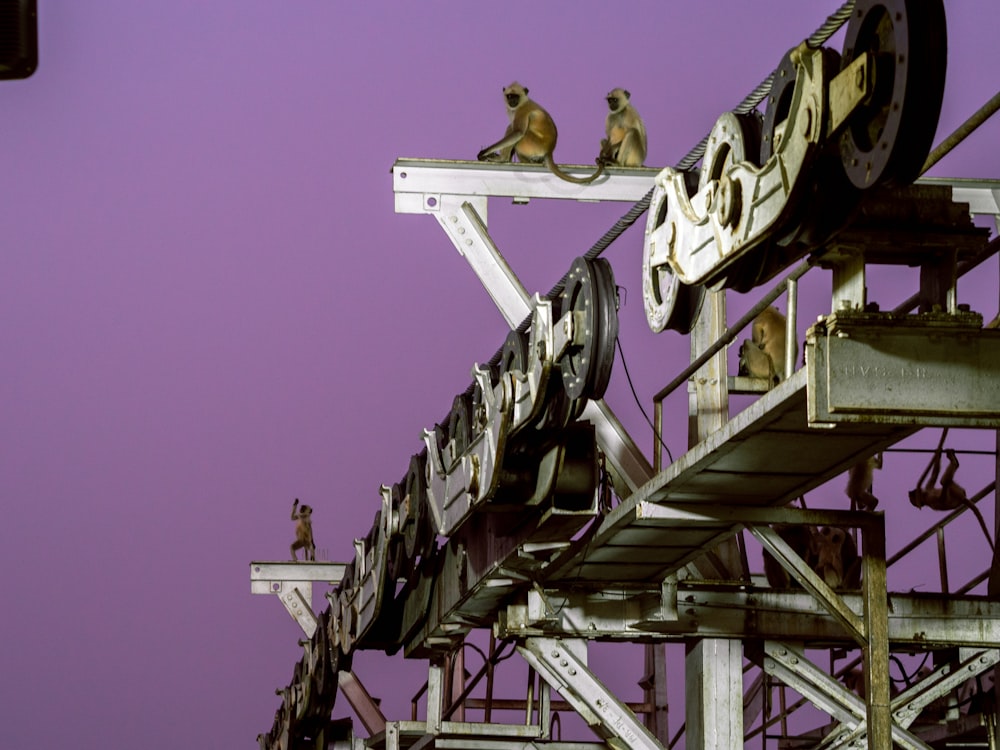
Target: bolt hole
{"points": [[432, 202]]}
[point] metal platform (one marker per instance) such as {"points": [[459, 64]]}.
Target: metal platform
{"points": [[765, 457]]}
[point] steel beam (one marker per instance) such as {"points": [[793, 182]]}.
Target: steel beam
{"points": [[559, 664], [414, 181]]}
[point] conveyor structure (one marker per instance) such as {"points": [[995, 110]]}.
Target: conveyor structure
{"points": [[530, 511]]}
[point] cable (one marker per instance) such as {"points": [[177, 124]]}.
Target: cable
{"points": [[635, 395]]}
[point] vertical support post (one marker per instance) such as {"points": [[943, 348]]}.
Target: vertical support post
{"points": [[456, 683], [654, 691], [435, 697], [714, 667], [876, 651], [714, 695], [709, 399], [849, 284], [939, 284], [529, 699], [791, 321], [490, 668]]}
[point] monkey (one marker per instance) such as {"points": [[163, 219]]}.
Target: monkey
{"points": [[755, 363], [768, 335], [837, 559], [829, 551], [625, 144], [531, 135], [799, 538], [302, 515], [860, 479], [950, 495]]}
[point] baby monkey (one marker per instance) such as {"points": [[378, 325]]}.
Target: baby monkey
{"points": [[302, 515], [625, 145]]}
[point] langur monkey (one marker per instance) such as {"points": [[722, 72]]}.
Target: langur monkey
{"points": [[531, 135], [950, 495], [625, 145], [829, 551], [837, 560], [860, 479], [763, 354], [302, 515]]}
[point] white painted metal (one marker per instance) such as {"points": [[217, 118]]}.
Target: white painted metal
{"points": [[560, 664], [292, 584], [462, 215], [415, 180]]}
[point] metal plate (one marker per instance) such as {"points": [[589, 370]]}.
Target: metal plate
{"points": [[913, 377]]}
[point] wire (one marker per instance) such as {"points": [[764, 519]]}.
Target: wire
{"points": [[659, 438]]}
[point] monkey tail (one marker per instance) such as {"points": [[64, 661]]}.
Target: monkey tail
{"points": [[982, 523], [554, 168]]}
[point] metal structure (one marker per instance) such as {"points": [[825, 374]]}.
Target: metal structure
{"points": [[503, 521]]}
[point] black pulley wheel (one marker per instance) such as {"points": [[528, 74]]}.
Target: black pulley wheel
{"points": [[417, 534], [514, 355], [888, 137], [590, 294]]}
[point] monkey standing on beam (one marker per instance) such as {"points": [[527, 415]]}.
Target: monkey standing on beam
{"points": [[531, 135], [302, 515]]}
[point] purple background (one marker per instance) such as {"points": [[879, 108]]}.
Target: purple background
{"points": [[208, 307]]}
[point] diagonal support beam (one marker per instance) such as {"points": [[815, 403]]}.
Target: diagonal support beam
{"points": [[801, 572], [823, 691], [463, 219], [559, 665], [906, 707], [292, 584]]}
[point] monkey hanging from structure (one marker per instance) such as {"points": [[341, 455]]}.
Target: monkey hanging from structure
{"points": [[625, 145], [302, 515], [950, 495], [531, 135], [763, 354], [860, 481]]}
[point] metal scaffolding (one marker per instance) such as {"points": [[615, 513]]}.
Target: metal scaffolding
{"points": [[504, 523]]}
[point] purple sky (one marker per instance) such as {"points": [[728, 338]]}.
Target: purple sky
{"points": [[209, 306]]}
